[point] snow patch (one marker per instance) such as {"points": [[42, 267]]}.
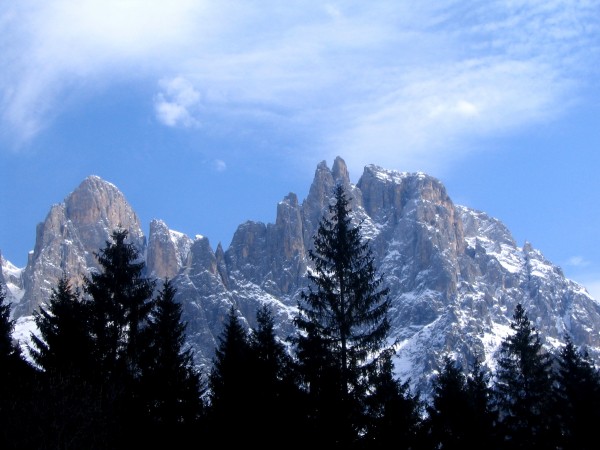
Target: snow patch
{"points": [[24, 327], [491, 342]]}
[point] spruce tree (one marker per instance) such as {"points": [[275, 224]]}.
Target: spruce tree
{"points": [[10, 353], [120, 302], [578, 392], [275, 395], [272, 362], [68, 408], [483, 415], [13, 367], [523, 388], [17, 385], [448, 412], [230, 387], [63, 345], [14, 370], [172, 385], [343, 326], [459, 415], [394, 413]]}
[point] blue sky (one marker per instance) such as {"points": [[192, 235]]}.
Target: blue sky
{"points": [[205, 114]]}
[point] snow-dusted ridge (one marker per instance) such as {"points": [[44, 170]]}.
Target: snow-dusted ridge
{"points": [[455, 274]]}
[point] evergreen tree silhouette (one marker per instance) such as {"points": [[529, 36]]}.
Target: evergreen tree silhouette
{"points": [[578, 392], [63, 345], [230, 385], [16, 378], [483, 415], [172, 385], [119, 307], [119, 298], [275, 394], [342, 326], [394, 413], [448, 414], [459, 415], [523, 388], [11, 359]]}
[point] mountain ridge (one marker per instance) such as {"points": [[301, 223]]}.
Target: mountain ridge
{"points": [[455, 273]]}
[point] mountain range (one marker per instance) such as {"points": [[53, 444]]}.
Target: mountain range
{"points": [[455, 274]]}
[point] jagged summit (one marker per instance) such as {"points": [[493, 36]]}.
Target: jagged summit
{"points": [[98, 200], [340, 171], [96, 180], [455, 274], [70, 235]]}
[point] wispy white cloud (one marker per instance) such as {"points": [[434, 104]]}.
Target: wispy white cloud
{"points": [[176, 103], [219, 165], [435, 114], [578, 261], [397, 82], [60, 49]]}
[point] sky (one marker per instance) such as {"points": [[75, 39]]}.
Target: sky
{"points": [[205, 114]]}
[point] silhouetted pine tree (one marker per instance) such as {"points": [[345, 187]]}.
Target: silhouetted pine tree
{"points": [[523, 389], [459, 415], [230, 385], [63, 345], [172, 385], [9, 373], [272, 362], [484, 417], [448, 414], [120, 300], [67, 405], [343, 326], [18, 385], [275, 395], [120, 305], [319, 382], [394, 413], [578, 391], [10, 354]]}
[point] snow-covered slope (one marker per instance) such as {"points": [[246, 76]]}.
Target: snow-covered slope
{"points": [[10, 277]]}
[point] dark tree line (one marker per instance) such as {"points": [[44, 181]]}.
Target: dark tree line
{"points": [[532, 400], [111, 370]]}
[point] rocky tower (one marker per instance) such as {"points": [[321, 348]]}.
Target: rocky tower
{"points": [[167, 250], [455, 274], [71, 234]]}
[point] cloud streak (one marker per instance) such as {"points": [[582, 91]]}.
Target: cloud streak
{"points": [[174, 105], [400, 81], [60, 49], [578, 261]]}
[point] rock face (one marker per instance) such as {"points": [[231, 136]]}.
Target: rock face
{"points": [[71, 234], [455, 274], [167, 250]]}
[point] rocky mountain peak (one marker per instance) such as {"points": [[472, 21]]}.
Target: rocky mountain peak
{"points": [[70, 236], [317, 202], [340, 171], [97, 207]]}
